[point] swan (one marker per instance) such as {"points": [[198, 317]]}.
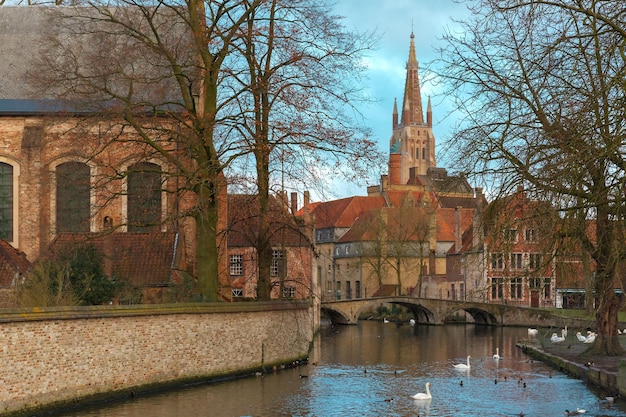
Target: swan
{"points": [[564, 332], [412, 322], [463, 365], [580, 337], [497, 355], [421, 395], [532, 332], [385, 320], [590, 338], [555, 338]]}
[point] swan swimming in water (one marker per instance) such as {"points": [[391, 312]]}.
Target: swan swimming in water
{"points": [[463, 366], [421, 395], [412, 322], [580, 337], [497, 355]]}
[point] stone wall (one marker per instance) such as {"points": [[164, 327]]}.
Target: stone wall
{"points": [[59, 356]]}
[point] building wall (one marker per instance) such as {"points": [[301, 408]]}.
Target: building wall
{"points": [[59, 356], [35, 146]]}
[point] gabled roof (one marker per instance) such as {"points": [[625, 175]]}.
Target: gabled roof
{"points": [[342, 213], [446, 223], [146, 259], [243, 222], [397, 198], [13, 263]]}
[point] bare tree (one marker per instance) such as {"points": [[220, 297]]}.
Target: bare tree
{"points": [[155, 71], [409, 230], [541, 85], [300, 82]]}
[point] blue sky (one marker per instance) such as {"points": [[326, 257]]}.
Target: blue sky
{"points": [[394, 20]]}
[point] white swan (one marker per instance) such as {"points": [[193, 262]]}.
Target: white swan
{"points": [[580, 337], [421, 395], [385, 320], [463, 365], [412, 322], [532, 332], [497, 355], [590, 338], [555, 338], [564, 332]]}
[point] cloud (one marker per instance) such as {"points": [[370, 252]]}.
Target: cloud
{"points": [[394, 20]]}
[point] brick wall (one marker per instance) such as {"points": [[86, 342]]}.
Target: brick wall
{"points": [[56, 356]]}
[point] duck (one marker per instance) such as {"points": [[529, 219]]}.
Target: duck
{"points": [[578, 411], [580, 337], [421, 395], [463, 366], [497, 355], [555, 338], [532, 332]]}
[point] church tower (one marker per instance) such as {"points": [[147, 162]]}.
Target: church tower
{"points": [[412, 143]]}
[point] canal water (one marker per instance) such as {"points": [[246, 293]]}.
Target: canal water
{"points": [[374, 369]]}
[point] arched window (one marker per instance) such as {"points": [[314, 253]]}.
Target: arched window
{"points": [[144, 197], [6, 202], [72, 197]]}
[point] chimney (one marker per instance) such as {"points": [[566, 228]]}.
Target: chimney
{"points": [[307, 199], [458, 242], [294, 202]]}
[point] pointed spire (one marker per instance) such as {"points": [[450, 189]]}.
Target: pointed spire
{"points": [[429, 114], [412, 57], [412, 90], [395, 113]]}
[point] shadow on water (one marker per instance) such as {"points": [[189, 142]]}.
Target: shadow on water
{"points": [[374, 369]]}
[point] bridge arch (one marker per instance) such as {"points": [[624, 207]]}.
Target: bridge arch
{"points": [[336, 316], [422, 314], [480, 316]]}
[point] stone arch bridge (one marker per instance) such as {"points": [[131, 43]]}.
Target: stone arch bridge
{"points": [[434, 311]]}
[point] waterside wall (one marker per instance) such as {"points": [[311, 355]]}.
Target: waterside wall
{"points": [[613, 383], [55, 357]]}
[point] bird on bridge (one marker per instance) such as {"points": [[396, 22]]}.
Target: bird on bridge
{"points": [[463, 366]]}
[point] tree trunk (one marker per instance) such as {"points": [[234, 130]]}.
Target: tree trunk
{"points": [[608, 303], [206, 243]]}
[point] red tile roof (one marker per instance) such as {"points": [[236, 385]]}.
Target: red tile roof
{"points": [[146, 259], [446, 222], [13, 263], [342, 213], [243, 223]]}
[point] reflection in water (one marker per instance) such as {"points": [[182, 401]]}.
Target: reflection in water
{"points": [[374, 369]]}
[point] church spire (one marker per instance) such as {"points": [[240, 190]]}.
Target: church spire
{"points": [[394, 116], [412, 96]]}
